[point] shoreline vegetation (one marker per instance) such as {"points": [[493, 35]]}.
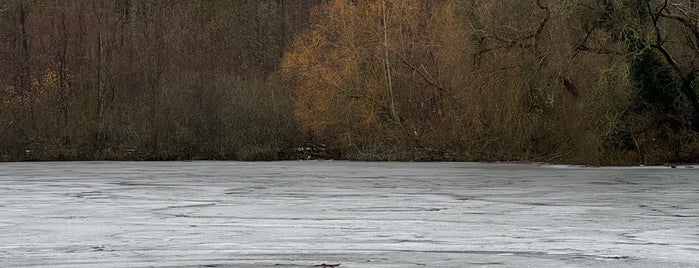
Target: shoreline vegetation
{"points": [[319, 153], [589, 82]]}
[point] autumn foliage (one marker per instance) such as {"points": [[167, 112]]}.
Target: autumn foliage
{"points": [[370, 74], [588, 81], [491, 80]]}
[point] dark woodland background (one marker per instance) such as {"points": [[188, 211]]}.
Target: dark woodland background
{"points": [[595, 82]]}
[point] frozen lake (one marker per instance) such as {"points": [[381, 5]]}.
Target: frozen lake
{"points": [[304, 214]]}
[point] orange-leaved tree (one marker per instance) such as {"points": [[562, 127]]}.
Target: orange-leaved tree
{"points": [[367, 73]]}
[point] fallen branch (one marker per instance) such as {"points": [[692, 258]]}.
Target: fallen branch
{"points": [[324, 265]]}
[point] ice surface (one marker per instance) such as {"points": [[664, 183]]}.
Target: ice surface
{"points": [[301, 214]]}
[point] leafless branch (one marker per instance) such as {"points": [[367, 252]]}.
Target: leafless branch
{"points": [[583, 45], [656, 16], [5, 7], [599, 50], [668, 57], [424, 75]]}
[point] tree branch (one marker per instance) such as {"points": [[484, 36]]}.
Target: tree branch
{"points": [[690, 24], [668, 57], [424, 74], [656, 16], [522, 37], [583, 45]]}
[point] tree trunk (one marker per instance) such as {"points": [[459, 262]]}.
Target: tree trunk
{"points": [[392, 103], [158, 31], [25, 80], [101, 75], [690, 92], [62, 77]]}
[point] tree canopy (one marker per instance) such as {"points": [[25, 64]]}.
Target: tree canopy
{"points": [[576, 81]]}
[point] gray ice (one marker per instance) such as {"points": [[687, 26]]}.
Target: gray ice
{"points": [[356, 214]]}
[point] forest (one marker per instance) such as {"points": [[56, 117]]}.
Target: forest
{"points": [[594, 82]]}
